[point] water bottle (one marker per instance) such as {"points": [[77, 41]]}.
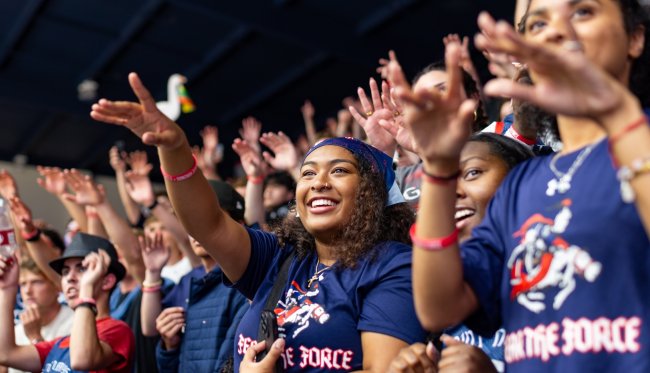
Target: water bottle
{"points": [[7, 235]]}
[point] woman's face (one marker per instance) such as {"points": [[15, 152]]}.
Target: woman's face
{"points": [[326, 191], [434, 80], [481, 175], [598, 26]]}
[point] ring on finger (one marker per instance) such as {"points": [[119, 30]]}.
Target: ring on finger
{"points": [[369, 113]]}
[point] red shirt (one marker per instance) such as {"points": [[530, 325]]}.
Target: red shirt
{"points": [[115, 333]]}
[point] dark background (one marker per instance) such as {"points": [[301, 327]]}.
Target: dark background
{"points": [[260, 58]]}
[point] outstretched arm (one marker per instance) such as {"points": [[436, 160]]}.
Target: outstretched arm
{"points": [[155, 256], [87, 192], [53, 182], [440, 124], [193, 199], [140, 189], [38, 249], [254, 168], [119, 166]]}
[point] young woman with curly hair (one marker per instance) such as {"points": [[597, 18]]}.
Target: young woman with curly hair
{"points": [[346, 303]]}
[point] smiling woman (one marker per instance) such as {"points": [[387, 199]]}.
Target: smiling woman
{"points": [[351, 271]]}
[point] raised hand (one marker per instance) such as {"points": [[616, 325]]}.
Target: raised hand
{"points": [[383, 64], [566, 82], [22, 214], [84, 190], [381, 108], [251, 161], [250, 131], [460, 357], [8, 187], [307, 110], [440, 122], [210, 152], [417, 357], [115, 159], [31, 320], [52, 180], [138, 162], [465, 58], [286, 155], [266, 365], [8, 272], [96, 266], [143, 118], [154, 253], [139, 188], [169, 324]]}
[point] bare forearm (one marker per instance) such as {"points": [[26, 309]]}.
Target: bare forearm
{"points": [[76, 212], [7, 337], [43, 254], [85, 349], [632, 146], [121, 234], [448, 301], [151, 305], [131, 208], [198, 210], [310, 129], [254, 211]]}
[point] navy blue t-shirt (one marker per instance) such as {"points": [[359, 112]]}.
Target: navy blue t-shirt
{"points": [[322, 323], [567, 274]]}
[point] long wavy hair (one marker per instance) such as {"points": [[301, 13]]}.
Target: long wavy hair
{"points": [[371, 223]]}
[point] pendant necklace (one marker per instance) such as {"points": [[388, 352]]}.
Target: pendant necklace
{"points": [[317, 273], [561, 183]]}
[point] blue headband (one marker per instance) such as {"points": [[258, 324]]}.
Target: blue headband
{"points": [[378, 160]]}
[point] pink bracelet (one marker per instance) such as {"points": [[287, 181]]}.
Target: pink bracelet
{"points": [[433, 244], [150, 289], [183, 176], [255, 179]]}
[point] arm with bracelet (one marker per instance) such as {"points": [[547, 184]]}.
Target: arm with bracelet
{"points": [[141, 190], [154, 256], [253, 166]]}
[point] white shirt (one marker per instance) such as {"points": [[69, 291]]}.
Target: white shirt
{"points": [[59, 327]]}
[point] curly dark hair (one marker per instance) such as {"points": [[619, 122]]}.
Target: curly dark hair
{"points": [[634, 15], [371, 222]]}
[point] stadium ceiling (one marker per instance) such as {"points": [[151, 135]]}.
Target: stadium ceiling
{"points": [[241, 58]]}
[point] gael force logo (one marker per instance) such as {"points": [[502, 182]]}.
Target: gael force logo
{"points": [[544, 260], [298, 309]]}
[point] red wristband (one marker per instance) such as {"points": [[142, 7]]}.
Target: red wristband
{"points": [[150, 289], [183, 176], [630, 127], [31, 236], [433, 244], [255, 179], [434, 179]]}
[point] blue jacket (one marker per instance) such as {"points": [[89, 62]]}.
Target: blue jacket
{"points": [[212, 314]]}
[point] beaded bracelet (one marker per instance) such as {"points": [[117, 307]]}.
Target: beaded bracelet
{"points": [[625, 174], [182, 176], [433, 244]]}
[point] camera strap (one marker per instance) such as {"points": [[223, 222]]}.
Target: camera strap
{"points": [[276, 291]]}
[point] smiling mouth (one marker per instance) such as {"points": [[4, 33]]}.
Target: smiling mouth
{"points": [[321, 205], [464, 213]]}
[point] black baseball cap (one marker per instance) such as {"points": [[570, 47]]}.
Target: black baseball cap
{"points": [[83, 244], [229, 200]]}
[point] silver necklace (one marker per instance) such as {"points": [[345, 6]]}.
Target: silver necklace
{"points": [[561, 183]]}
